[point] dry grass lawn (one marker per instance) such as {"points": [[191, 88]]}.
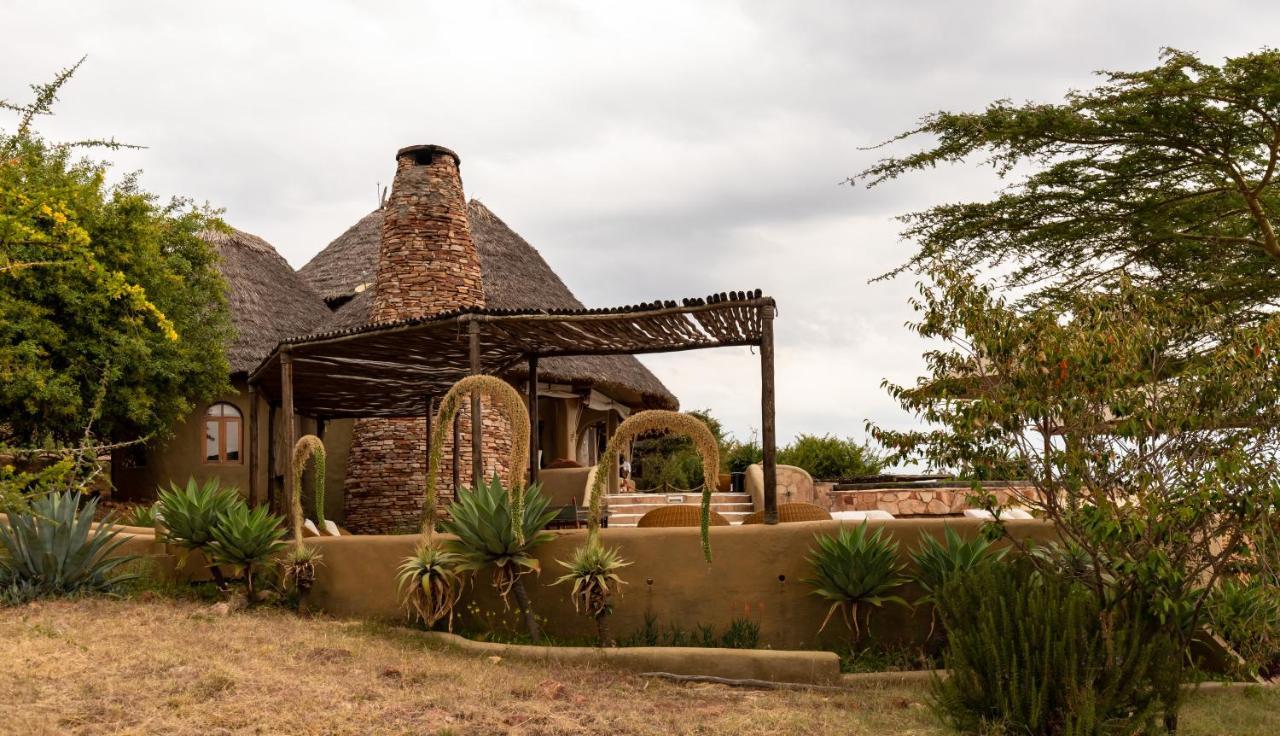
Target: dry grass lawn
{"points": [[165, 667]]}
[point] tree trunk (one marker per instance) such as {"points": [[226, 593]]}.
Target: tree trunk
{"points": [[522, 600], [248, 585], [218, 578], [602, 629]]}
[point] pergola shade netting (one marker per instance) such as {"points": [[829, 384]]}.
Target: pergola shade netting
{"points": [[391, 369]]}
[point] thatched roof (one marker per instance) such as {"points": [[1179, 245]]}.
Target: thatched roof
{"points": [[515, 277], [267, 299]]}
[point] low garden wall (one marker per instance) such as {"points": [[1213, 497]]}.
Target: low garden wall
{"points": [[756, 573]]}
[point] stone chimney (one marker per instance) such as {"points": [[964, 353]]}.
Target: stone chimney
{"points": [[428, 263]]}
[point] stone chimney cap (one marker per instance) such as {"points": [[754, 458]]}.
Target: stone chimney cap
{"points": [[427, 151]]}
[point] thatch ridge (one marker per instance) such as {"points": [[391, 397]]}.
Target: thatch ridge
{"points": [[515, 276], [268, 301]]}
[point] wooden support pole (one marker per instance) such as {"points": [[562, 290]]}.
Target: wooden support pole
{"points": [[768, 410], [254, 487], [286, 406], [610, 427], [267, 494], [534, 434], [320, 426], [477, 422]]}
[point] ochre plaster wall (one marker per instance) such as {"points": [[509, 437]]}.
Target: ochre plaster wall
{"points": [[756, 572]]}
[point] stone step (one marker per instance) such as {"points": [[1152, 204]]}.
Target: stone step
{"points": [[630, 520], [640, 508], [660, 498]]}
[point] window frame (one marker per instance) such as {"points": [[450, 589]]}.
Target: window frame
{"points": [[224, 422]]}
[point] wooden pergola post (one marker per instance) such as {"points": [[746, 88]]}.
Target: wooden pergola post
{"points": [[286, 403], [534, 436], [426, 430], [254, 500], [457, 453], [611, 427], [768, 410], [477, 423]]}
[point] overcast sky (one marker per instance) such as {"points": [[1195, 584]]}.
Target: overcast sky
{"points": [[647, 149]]}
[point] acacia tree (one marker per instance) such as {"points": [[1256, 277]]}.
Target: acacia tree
{"points": [[1148, 433], [112, 315], [1167, 176]]}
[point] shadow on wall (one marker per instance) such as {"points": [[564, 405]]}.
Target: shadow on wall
{"points": [[756, 573]]}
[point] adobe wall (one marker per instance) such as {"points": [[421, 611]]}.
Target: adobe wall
{"points": [[756, 572]]}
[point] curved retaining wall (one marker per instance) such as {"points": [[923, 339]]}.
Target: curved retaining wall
{"points": [[756, 573]]}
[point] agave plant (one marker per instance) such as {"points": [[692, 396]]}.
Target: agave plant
{"points": [[298, 567], [490, 535], [937, 561], [593, 570], [429, 583], [247, 539], [190, 514], [140, 516], [854, 567], [53, 548]]}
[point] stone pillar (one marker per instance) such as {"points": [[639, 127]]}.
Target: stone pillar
{"points": [[427, 264]]}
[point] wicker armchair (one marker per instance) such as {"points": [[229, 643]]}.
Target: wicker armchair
{"points": [[679, 515], [791, 512]]}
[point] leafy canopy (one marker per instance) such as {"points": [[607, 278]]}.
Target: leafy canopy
{"points": [[1167, 176], [112, 315]]}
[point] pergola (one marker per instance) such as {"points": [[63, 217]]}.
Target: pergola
{"points": [[399, 369]]}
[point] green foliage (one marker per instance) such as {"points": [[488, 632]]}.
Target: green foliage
{"points": [[854, 567], [53, 549], [593, 570], [429, 584], [830, 457], [18, 487], [191, 513], [481, 519], [937, 562], [298, 567], [1035, 653], [671, 459], [741, 455], [140, 516], [246, 539], [1167, 174], [112, 314], [741, 633], [1246, 613]]}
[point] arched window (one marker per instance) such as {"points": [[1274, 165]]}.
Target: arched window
{"points": [[222, 434]]}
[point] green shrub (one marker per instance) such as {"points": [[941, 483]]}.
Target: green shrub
{"points": [[53, 549], [593, 570], [1247, 615], [1032, 652], [741, 455], [246, 539], [854, 567], [140, 516], [831, 457], [190, 513], [936, 562], [481, 519], [429, 584]]}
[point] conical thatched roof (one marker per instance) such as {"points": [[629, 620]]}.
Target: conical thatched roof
{"points": [[515, 277], [267, 299]]}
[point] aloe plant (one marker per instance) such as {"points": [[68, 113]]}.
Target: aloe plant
{"points": [[140, 516], [937, 561], [190, 514], [298, 567], [247, 538], [429, 583], [593, 570], [853, 568], [53, 548], [490, 535]]}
